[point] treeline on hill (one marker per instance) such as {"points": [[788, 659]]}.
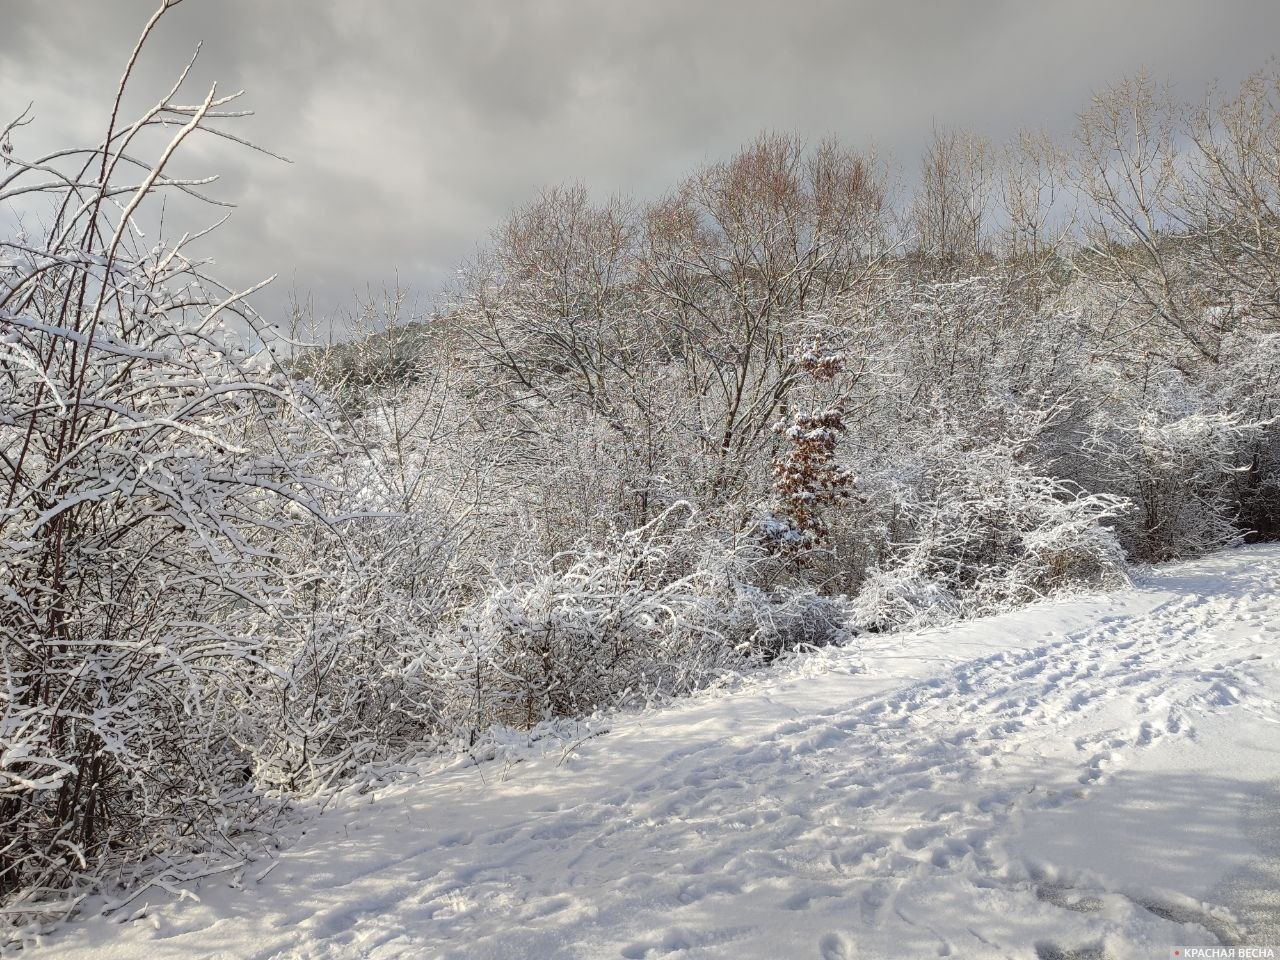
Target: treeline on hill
{"points": [[646, 446]]}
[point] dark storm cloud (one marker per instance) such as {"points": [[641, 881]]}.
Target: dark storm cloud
{"points": [[414, 126]]}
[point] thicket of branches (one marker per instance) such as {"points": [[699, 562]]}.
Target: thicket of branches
{"points": [[643, 446]]}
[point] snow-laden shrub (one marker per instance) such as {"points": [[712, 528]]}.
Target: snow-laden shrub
{"points": [[348, 677], [656, 612], [352, 672], [151, 468], [975, 531], [1176, 451], [1247, 382]]}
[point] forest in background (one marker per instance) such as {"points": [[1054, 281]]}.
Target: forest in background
{"points": [[642, 448]]}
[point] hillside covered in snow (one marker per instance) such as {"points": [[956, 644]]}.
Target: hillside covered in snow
{"points": [[1092, 777], [798, 551]]}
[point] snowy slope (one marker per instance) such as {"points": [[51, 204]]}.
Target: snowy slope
{"points": [[1095, 777]]}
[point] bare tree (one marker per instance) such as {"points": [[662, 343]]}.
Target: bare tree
{"points": [[1037, 217], [950, 213], [738, 255], [1230, 204], [1131, 171]]}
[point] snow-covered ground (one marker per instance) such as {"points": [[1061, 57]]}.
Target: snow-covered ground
{"points": [[1094, 777]]}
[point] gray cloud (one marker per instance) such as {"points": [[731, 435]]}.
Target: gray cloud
{"points": [[414, 126]]}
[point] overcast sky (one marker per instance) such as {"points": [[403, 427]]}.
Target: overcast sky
{"points": [[415, 125]]}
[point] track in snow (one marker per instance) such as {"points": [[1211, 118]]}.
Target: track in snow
{"points": [[1092, 777]]}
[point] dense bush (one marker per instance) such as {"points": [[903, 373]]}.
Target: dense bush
{"points": [[975, 530]]}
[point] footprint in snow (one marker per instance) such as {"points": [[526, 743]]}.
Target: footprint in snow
{"points": [[835, 946]]}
